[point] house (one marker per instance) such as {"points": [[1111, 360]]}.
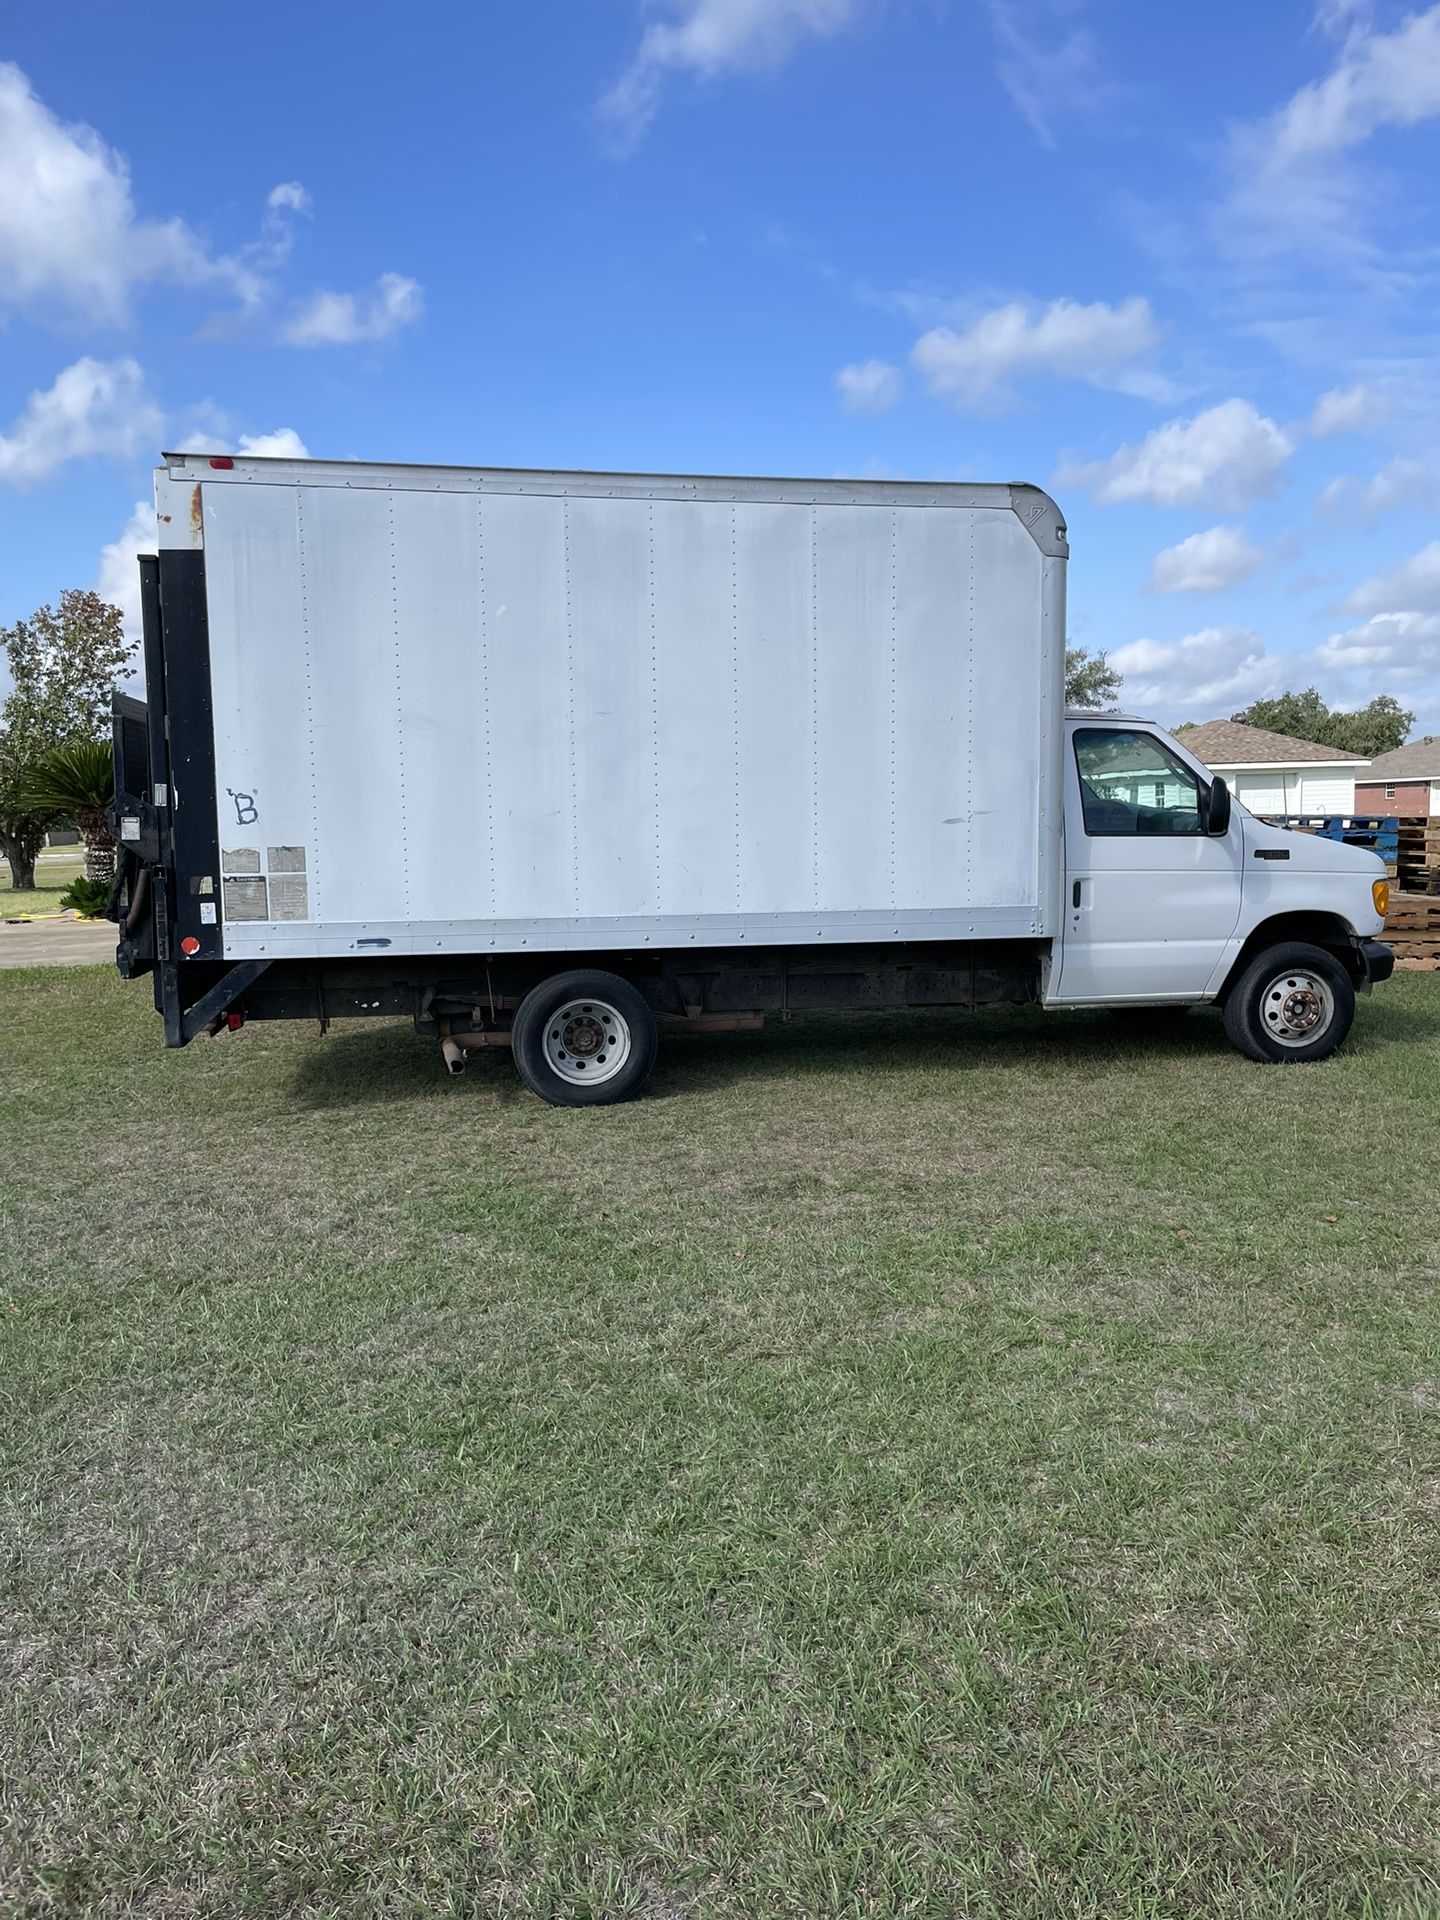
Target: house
{"points": [[1273, 774], [1405, 782]]}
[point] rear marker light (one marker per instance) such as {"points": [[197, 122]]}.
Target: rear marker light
{"points": [[221, 461], [234, 1021], [189, 944]]}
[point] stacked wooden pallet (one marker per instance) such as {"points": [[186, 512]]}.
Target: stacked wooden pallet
{"points": [[1412, 930], [1417, 859]]}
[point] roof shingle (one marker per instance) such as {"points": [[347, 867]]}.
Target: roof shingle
{"points": [[1418, 761], [1230, 743]]}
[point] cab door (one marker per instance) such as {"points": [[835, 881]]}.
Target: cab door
{"points": [[1151, 898]]}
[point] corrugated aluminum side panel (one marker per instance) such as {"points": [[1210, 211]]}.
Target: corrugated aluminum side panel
{"points": [[260, 671], [692, 560], [492, 719], [445, 746], [773, 672]]}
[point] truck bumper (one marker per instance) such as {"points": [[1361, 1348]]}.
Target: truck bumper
{"points": [[1377, 962]]}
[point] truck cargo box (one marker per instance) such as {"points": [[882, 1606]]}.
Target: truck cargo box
{"points": [[438, 710]]}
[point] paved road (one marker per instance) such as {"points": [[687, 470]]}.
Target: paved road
{"points": [[57, 943]]}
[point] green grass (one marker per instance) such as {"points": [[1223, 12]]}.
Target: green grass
{"points": [[931, 1468], [52, 877]]}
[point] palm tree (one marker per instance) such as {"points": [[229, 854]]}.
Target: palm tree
{"points": [[78, 779]]}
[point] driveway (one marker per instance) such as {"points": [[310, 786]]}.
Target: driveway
{"points": [[57, 943]]}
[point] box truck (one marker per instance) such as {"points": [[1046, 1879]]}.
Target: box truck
{"points": [[562, 762]]}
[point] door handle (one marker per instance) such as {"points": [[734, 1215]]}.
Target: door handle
{"points": [[1272, 853], [1075, 891]]}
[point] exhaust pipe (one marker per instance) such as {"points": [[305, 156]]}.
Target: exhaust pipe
{"points": [[454, 1046]]}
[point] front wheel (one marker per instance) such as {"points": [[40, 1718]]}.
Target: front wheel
{"points": [[583, 1039], [1293, 1003]]}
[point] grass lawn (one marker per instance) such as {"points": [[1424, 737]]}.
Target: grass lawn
{"points": [[933, 1468], [52, 877]]}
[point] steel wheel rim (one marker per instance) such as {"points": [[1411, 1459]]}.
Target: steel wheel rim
{"points": [[587, 1042], [1297, 1007]]}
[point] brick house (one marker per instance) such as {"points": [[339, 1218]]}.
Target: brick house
{"points": [[1405, 782]]}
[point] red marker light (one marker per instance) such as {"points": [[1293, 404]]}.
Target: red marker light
{"points": [[234, 1021], [221, 461], [189, 944]]}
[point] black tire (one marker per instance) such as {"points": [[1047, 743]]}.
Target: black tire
{"points": [[599, 1008], [1279, 992]]}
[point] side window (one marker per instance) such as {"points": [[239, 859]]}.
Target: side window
{"points": [[1130, 783]]}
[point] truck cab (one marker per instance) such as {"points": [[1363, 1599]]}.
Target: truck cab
{"points": [[1176, 894]]}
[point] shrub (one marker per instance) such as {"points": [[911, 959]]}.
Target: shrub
{"points": [[78, 779], [89, 898]]}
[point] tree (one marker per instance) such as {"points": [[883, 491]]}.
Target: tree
{"points": [[64, 664], [77, 780], [22, 828], [1375, 729], [1090, 680]]}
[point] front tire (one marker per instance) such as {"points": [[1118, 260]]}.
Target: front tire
{"points": [[583, 1039], [1293, 1003]]}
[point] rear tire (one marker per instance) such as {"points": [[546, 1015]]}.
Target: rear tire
{"points": [[583, 1039], [1292, 1004]]}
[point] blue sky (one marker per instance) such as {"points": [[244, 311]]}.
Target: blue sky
{"points": [[1178, 264]]}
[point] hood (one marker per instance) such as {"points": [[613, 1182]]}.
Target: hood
{"points": [[1312, 852]]}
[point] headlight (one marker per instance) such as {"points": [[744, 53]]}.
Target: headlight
{"points": [[1380, 894]]}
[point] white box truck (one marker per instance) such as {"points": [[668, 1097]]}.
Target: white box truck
{"points": [[562, 761]]}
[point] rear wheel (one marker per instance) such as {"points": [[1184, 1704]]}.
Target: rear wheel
{"points": [[1293, 1003], [583, 1039]]}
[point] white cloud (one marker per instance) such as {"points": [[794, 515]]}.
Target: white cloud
{"points": [[289, 197], [1404, 644], [1321, 243], [1411, 587], [1209, 672], [1047, 71], [1380, 80], [283, 444], [1207, 562], [1348, 410], [94, 407], [72, 239], [708, 38], [69, 231], [342, 319], [1401, 482], [283, 205], [1094, 343], [869, 386], [201, 442], [1225, 457], [1341, 17], [119, 577], [1397, 653]]}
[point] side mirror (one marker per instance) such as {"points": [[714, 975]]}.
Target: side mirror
{"points": [[1217, 808]]}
